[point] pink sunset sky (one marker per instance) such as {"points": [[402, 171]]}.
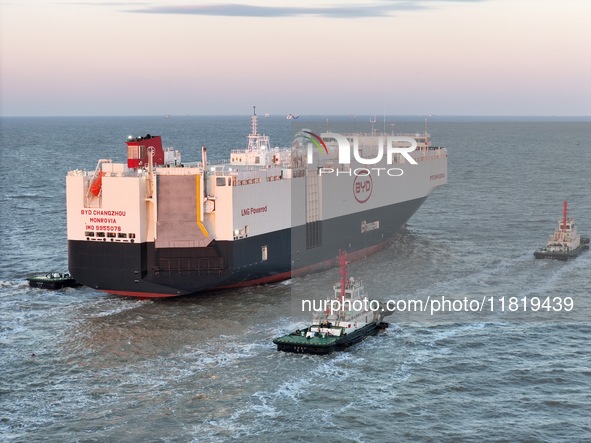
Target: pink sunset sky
{"points": [[470, 57]]}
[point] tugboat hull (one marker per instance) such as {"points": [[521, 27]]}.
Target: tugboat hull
{"points": [[53, 281], [562, 256], [297, 342]]}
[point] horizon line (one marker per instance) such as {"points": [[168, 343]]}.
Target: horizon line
{"points": [[300, 115]]}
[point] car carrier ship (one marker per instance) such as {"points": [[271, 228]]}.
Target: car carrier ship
{"points": [[156, 227]]}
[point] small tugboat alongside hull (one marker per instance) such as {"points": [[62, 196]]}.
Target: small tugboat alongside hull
{"points": [[347, 318], [564, 243], [53, 280]]}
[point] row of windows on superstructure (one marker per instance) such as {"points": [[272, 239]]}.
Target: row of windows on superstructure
{"points": [[233, 181]]}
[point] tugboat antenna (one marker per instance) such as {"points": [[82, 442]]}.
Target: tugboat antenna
{"points": [[564, 221], [343, 260]]}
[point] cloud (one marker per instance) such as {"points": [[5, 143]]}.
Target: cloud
{"points": [[377, 9]]}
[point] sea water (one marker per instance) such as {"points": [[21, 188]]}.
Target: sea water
{"points": [[78, 365]]}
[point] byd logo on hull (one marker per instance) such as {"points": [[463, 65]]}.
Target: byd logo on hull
{"points": [[362, 187], [389, 144]]}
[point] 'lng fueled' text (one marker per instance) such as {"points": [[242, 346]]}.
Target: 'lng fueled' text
{"points": [[250, 211]]}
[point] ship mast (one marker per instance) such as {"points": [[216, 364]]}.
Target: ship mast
{"points": [[257, 142], [254, 120], [372, 120], [253, 137], [564, 221]]}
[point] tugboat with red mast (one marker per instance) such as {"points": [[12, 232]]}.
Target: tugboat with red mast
{"points": [[564, 243], [345, 318]]}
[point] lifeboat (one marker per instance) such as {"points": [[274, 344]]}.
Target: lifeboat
{"points": [[95, 187]]}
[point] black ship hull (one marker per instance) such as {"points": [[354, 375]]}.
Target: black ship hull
{"points": [[142, 270]]}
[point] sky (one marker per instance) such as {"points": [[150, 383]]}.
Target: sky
{"points": [[320, 57]]}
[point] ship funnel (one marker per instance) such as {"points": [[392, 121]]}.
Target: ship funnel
{"points": [[204, 157], [138, 151]]}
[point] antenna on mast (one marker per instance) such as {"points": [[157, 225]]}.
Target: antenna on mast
{"points": [[254, 120], [343, 263]]}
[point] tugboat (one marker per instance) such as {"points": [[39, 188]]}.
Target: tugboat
{"points": [[345, 320], [53, 280], [564, 243]]}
